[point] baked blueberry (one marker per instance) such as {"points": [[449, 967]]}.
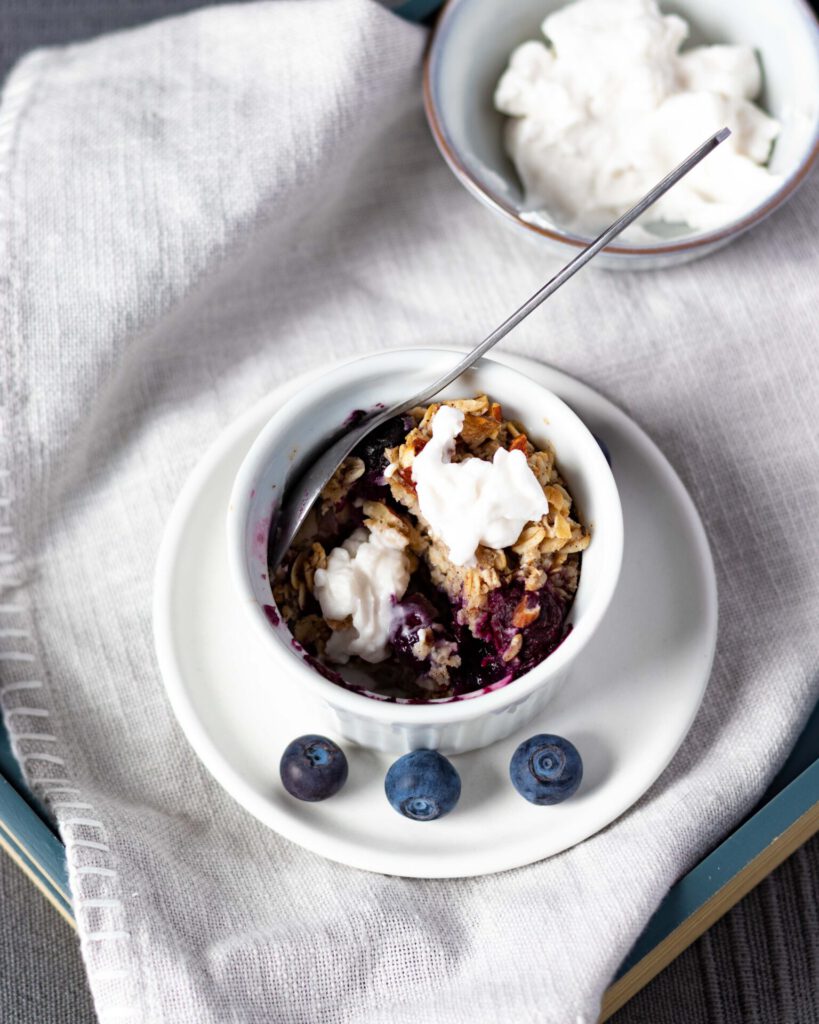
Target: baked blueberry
{"points": [[413, 614], [544, 634], [371, 449], [537, 617], [423, 785], [546, 769], [313, 768]]}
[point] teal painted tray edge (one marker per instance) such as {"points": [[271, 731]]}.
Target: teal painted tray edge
{"points": [[34, 846], [27, 834], [732, 856], [413, 10], [794, 791]]}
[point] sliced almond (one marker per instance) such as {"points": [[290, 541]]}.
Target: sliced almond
{"points": [[525, 614], [426, 419], [530, 538], [337, 625], [477, 429], [558, 498], [477, 405], [513, 649]]}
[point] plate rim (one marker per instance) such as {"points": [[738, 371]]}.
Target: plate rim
{"points": [[337, 848]]}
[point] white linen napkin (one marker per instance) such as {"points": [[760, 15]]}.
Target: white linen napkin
{"points": [[196, 210]]}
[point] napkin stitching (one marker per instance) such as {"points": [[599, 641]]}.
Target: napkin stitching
{"points": [[23, 693]]}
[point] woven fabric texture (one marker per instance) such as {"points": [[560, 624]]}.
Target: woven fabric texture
{"points": [[758, 965], [195, 209]]}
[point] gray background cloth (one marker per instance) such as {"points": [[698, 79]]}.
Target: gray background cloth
{"points": [[758, 965]]}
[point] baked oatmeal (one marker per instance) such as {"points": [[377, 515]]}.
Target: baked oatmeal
{"points": [[441, 558]]}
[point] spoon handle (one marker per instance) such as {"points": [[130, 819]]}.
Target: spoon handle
{"points": [[568, 271], [299, 496]]}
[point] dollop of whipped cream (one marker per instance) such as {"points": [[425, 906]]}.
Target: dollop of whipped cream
{"points": [[364, 578], [608, 105], [473, 502]]}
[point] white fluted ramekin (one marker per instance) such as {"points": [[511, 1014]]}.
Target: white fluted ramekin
{"points": [[292, 436], [470, 48]]}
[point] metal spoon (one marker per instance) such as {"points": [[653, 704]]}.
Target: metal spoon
{"points": [[300, 496]]}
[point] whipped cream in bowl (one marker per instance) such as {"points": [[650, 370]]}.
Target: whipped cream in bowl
{"points": [[560, 114], [361, 582], [409, 654], [605, 104], [477, 502]]}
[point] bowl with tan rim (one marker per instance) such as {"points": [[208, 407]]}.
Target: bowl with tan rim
{"points": [[470, 49]]}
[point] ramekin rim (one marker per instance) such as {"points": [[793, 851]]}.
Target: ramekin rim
{"points": [[349, 700]]}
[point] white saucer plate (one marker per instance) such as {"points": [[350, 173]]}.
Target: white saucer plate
{"points": [[632, 697]]}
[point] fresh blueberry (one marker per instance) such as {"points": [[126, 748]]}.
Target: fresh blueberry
{"points": [[313, 768], [423, 785], [546, 769], [604, 448]]}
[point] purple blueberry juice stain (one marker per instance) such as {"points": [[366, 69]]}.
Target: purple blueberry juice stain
{"points": [[260, 534], [322, 669], [355, 417], [271, 615]]}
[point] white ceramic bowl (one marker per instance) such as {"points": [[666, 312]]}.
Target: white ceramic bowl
{"points": [[470, 49], [291, 437]]}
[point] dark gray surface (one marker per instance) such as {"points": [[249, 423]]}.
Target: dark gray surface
{"points": [[26, 24], [42, 980], [759, 965]]}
